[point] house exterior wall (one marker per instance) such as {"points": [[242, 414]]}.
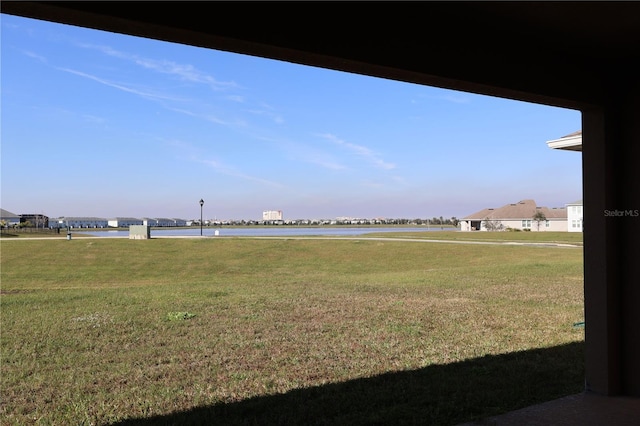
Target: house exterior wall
{"points": [[574, 217], [124, 222], [518, 216], [272, 215], [78, 222], [11, 219], [551, 225]]}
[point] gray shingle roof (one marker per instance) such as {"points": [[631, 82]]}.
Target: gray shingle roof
{"points": [[524, 209], [4, 214]]}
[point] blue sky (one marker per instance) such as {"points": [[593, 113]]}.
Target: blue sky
{"points": [[102, 124]]}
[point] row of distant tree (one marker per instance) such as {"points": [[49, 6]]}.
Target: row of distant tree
{"points": [[435, 221]]}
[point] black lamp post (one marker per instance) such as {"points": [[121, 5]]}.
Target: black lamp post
{"points": [[201, 204]]}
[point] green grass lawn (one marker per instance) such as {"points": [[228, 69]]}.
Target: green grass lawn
{"points": [[251, 331], [529, 237]]}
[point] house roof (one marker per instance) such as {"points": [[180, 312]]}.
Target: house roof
{"points": [[524, 209], [80, 218], [4, 214], [570, 142]]}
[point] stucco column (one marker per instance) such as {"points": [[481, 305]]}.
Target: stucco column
{"points": [[611, 178]]}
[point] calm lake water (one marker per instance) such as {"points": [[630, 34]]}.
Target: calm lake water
{"points": [[258, 231]]}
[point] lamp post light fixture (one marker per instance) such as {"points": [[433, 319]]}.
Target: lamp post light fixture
{"points": [[201, 204]]}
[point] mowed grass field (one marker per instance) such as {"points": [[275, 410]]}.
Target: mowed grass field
{"points": [[284, 331]]}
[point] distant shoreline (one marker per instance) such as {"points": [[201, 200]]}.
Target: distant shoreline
{"points": [[166, 228]]}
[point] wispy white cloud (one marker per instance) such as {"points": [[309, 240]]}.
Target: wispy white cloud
{"points": [[302, 152], [35, 56], [185, 72], [209, 117], [361, 151], [94, 119], [276, 118], [132, 90], [155, 96], [451, 97], [235, 98], [194, 154], [233, 172], [268, 111], [326, 163]]}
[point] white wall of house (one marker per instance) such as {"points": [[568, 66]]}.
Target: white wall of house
{"points": [[574, 217], [550, 225], [165, 222], [78, 222], [124, 222], [272, 215]]}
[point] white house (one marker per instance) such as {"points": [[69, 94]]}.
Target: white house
{"points": [[11, 219], [272, 215], [124, 222], [571, 142], [519, 216], [574, 216], [179, 222]]}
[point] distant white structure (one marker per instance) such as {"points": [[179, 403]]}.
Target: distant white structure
{"points": [[163, 222], [124, 222], [571, 142], [574, 216], [179, 222], [78, 222], [272, 215], [139, 232]]}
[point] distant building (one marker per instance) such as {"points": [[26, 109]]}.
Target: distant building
{"points": [[516, 216], [148, 221], [574, 216], [163, 222], [272, 215], [124, 222], [35, 220], [10, 219], [179, 222], [78, 222], [571, 142]]}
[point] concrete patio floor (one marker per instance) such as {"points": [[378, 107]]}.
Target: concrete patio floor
{"points": [[585, 409]]}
